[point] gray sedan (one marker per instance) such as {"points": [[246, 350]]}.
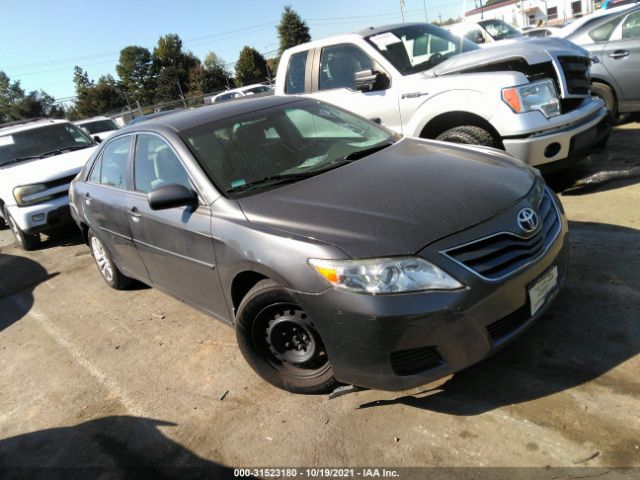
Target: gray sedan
{"points": [[614, 44], [339, 251]]}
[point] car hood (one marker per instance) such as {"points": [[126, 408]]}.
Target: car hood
{"points": [[532, 50], [395, 201], [45, 169]]}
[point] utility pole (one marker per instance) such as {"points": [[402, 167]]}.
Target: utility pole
{"points": [[139, 108], [184, 101], [440, 18], [402, 9], [424, 4]]}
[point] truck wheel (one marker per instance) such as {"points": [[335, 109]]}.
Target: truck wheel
{"points": [[605, 93], [108, 270], [23, 240], [278, 340], [469, 135]]}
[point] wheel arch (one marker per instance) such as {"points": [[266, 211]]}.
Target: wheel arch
{"points": [[448, 120], [611, 85], [241, 284]]}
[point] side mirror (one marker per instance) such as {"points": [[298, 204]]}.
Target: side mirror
{"points": [[170, 196], [368, 80], [478, 38], [97, 139]]}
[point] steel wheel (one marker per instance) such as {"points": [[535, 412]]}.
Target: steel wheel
{"points": [[104, 264], [280, 341]]}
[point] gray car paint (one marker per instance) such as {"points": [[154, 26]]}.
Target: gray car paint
{"points": [[620, 72], [211, 248]]}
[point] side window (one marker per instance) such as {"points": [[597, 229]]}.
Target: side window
{"points": [[603, 32], [114, 162], [294, 82], [155, 164], [96, 172], [339, 64], [631, 26]]}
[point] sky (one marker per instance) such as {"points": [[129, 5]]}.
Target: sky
{"points": [[42, 40]]}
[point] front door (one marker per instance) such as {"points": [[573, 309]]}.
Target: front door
{"points": [[621, 56], [175, 243]]}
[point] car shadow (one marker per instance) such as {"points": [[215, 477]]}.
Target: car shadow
{"points": [[19, 276], [66, 236], [115, 447], [591, 329], [616, 166]]}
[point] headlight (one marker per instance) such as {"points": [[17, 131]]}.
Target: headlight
{"points": [[20, 194], [384, 275], [539, 96]]}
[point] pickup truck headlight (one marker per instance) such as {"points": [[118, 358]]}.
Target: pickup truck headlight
{"points": [[539, 96], [384, 275], [27, 190]]}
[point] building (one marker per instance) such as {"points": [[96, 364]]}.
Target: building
{"points": [[523, 13]]}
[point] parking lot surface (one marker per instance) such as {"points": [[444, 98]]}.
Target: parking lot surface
{"points": [[95, 377]]}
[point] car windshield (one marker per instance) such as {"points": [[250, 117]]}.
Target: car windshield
{"points": [[288, 142], [416, 48], [499, 30], [98, 126], [254, 90], [41, 142]]}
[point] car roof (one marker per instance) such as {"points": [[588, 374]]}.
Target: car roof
{"points": [[600, 16], [385, 28], [92, 119], [15, 127], [187, 119]]}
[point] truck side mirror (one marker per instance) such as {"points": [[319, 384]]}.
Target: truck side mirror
{"points": [[369, 80], [478, 37]]}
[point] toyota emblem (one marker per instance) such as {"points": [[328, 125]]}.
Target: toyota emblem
{"points": [[528, 220]]}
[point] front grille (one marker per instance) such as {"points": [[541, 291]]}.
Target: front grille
{"points": [[415, 360], [500, 255], [508, 324], [576, 74], [59, 181]]}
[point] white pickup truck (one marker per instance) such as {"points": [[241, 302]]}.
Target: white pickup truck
{"points": [[38, 160], [531, 98]]}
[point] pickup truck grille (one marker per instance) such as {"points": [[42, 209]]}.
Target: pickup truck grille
{"points": [[54, 189], [576, 74], [503, 254]]}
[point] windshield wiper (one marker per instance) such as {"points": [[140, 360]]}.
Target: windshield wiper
{"points": [[46, 154], [271, 180], [367, 151]]}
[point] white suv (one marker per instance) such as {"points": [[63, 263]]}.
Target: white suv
{"points": [[38, 160]]}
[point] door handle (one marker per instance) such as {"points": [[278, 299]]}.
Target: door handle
{"points": [[87, 198], [619, 54], [135, 214]]}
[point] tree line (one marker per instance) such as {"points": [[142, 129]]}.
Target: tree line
{"points": [[167, 73]]}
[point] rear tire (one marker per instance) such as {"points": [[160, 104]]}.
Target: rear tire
{"points": [[278, 340], [23, 240], [108, 270], [468, 135], [605, 92]]}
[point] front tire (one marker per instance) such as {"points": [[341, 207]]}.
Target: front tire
{"points": [[23, 240], [468, 135], [605, 93], [108, 270], [278, 340]]}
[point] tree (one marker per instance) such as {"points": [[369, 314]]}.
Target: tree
{"points": [[95, 98], [292, 30], [251, 67], [135, 70], [15, 105], [172, 67], [216, 75]]}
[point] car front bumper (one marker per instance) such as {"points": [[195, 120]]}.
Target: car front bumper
{"points": [[400, 341], [42, 217], [559, 147]]}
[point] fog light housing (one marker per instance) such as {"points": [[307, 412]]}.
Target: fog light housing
{"points": [[38, 218]]}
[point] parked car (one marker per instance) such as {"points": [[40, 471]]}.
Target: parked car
{"points": [[338, 250], [530, 98], [485, 31], [614, 44], [38, 160], [548, 31], [99, 128], [256, 89]]}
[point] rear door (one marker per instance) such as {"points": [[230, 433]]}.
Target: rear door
{"points": [[621, 56], [105, 205], [176, 243]]}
